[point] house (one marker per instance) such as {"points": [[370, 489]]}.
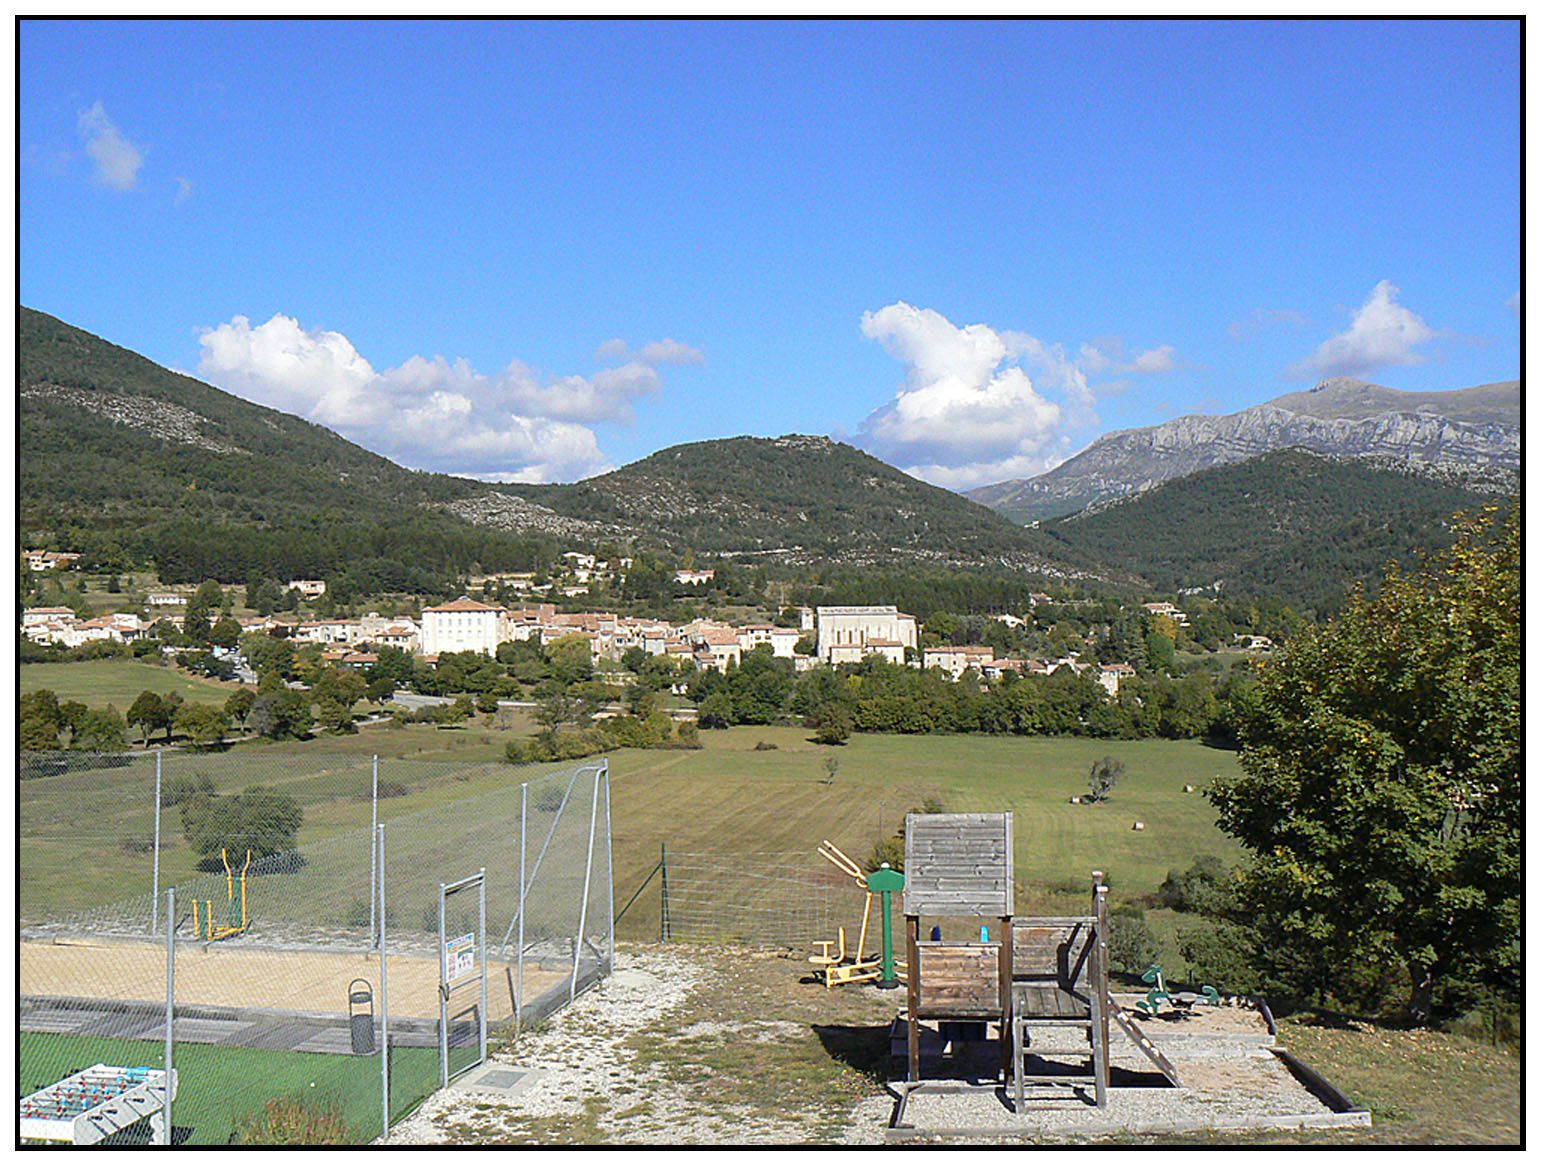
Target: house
{"points": [[41, 615], [1169, 610], [955, 661], [308, 588], [50, 560], [717, 648], [1011, 621], [1111, 675], [165, 599], [1255, 643], [847, 633], [693, 578], [463, 625]]}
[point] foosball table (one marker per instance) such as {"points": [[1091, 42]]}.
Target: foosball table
{"points": [[95, 1103]]}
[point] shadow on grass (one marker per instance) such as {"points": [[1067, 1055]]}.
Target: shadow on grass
{"points": [[862, 1047]]}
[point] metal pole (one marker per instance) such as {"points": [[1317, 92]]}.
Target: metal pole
{"points": [[481, 939], [385, 999], [155, 877], [663, 910], [610, 869], [443, 998], [583, 910], [374, 825], [524, 801], [171, 996], [551, 833]]}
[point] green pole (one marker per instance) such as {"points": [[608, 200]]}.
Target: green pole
{"points": [[885, 881]]}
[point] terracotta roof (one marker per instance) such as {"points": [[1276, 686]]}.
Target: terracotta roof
{"points": [[463, 604]]}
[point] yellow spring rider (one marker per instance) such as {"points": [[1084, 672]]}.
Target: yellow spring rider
{"points": [[236, 918], [833, 962]]}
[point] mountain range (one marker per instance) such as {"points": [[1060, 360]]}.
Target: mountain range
{"points": [[1477, 427], [130, 462]]}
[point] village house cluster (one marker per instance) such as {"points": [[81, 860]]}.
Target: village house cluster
{"points": [[835, 635]]}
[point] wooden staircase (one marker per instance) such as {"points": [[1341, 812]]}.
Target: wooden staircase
{"points": [[1143, 1042]]}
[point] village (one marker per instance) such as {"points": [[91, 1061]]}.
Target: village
{"points": [[805, 636]]}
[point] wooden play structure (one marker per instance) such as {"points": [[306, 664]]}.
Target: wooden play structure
{"points": [[1033, 979], [236, 918], [837, 965]]}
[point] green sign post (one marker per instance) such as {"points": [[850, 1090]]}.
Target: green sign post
{"points": [[885, 881]]}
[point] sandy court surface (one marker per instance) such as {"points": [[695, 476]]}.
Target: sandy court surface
{"points": [[229, 975]]}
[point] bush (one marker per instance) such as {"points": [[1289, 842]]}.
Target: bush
{"points": [[1131, 946], [1205, 888], [264, 821], [178, 790], [293, 1121], [1105, 774], [1221, 954], [764, 746]]}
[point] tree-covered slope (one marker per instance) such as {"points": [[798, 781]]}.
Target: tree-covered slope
{"points": [[1293, 525], [119, 457], [800, 496]]}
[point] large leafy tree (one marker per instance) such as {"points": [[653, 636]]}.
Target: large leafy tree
{"points": [[1381, 788]]}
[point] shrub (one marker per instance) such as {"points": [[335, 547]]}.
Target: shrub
{"points": [[1105, 774], [1205, 888], [1131, 946], [1221, 954], [293, 1121], [764, 746], [177, 790]]}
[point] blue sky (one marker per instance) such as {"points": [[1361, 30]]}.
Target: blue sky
{"points": [[533, 251]]}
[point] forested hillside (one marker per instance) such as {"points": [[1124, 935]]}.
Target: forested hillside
{"points": [[805, 498], [125, 460], [1295, 525]]}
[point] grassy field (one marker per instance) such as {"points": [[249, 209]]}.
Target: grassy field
{"points": [[81, 832], [118, 682], [219, 1088]]}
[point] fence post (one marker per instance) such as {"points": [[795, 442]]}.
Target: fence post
{"points": [[663, 909], [374, 825], [443, 998], [171, 995], [610, 875], [524, 819], [481, 939], [385, 999], [155, 876], [583, 908]]}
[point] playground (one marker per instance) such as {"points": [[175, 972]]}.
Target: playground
{"points": [[726, 1046]]}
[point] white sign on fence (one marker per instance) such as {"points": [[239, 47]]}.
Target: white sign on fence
{"points": [[460, 956]]}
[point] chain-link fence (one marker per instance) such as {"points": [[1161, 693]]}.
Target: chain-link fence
{"points": [[300, 950], [756, 900]]}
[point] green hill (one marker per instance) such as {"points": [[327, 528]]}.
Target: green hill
{"points": [[1294, 525], [130, 463], [124, 459], [801, 498]]}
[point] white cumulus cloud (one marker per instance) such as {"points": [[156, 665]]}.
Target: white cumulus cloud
{"points": [[429, 412], [982, 405], [1383, 333], [117, 160]]}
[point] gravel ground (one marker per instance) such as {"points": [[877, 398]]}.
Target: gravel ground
{"points": [[587, 1084], [579, 1057]]}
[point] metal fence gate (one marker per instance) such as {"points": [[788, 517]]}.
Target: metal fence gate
{"points": [[462, 975]]}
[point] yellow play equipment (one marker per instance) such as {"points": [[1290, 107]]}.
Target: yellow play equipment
{"points": [[205, 927], [833, 962]]}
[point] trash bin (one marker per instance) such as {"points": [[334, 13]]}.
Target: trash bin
{"points": [[361, 1016]]}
